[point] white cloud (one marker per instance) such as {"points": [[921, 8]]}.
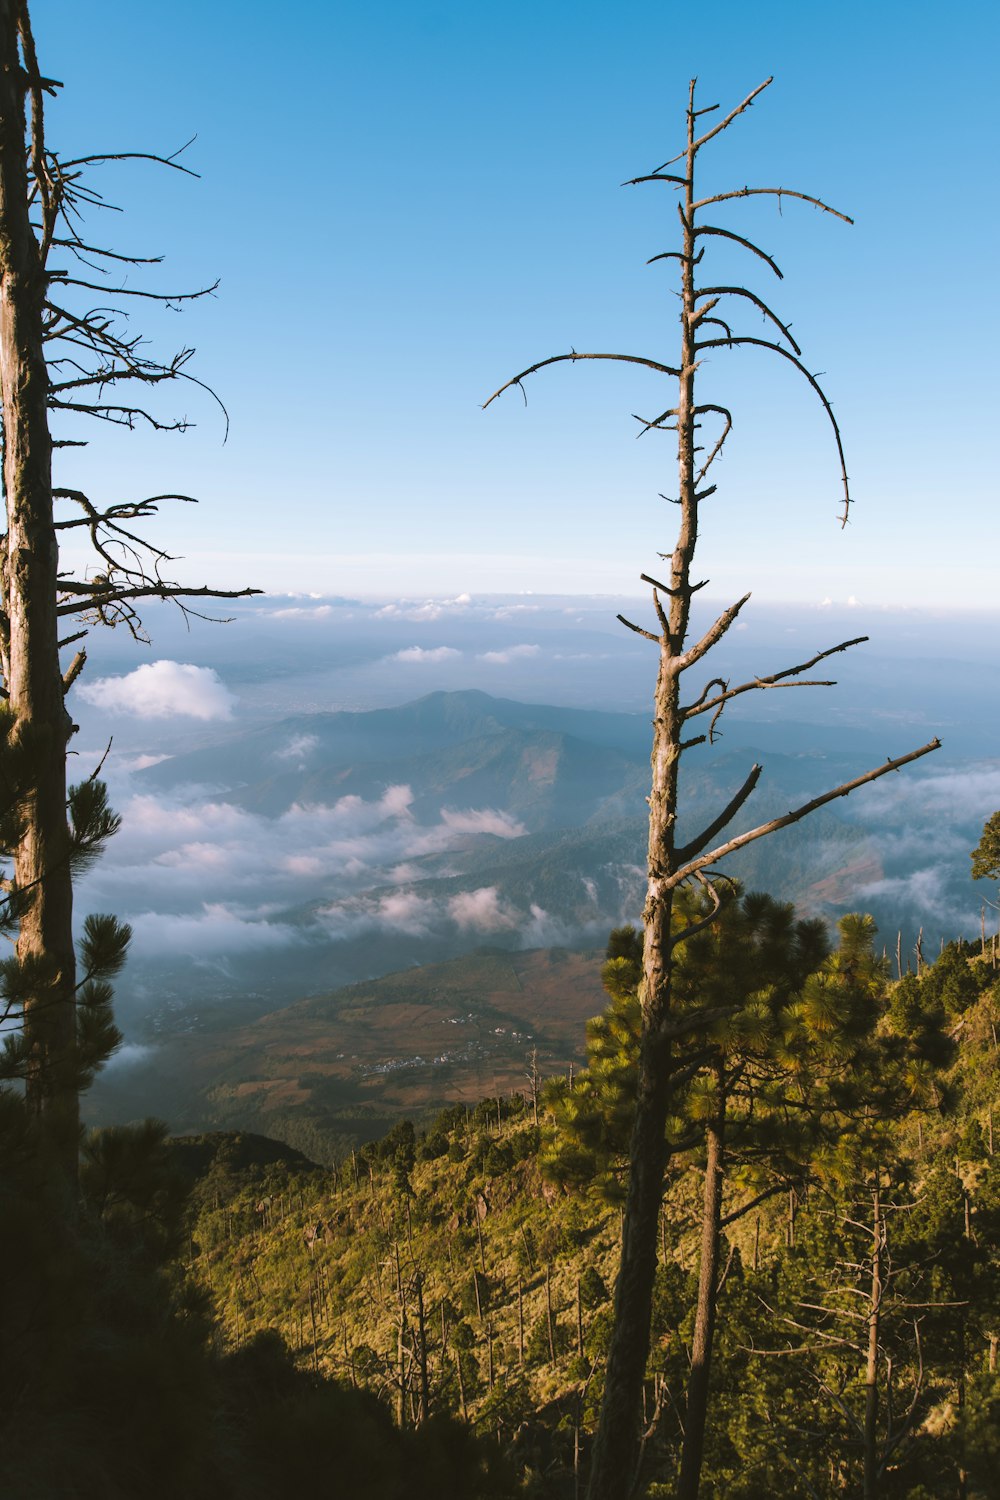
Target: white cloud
{"points": [[141, 762], [299, 612], [934, 800], [432, 654], [511, 653], [430, 609], [213, 933], [927, 892], [405, 911], [483, 820], [508, 611], [544, 930], [161, 690], [191, 855], [482, 911], [298, 747]]}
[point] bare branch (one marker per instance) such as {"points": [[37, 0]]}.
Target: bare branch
{"points": [[73, 670], [96, 595], [726, 816], [798, 813], [703, 704], [627, 359], [727, 234], [745, 1208], [79, 248], [64, 279], [702, 1017], [741, 291], [722, 411], [656, 177], [777, 349], [712, 635], [639, 630], [749, 192], [656, 422], [163, 161], [722, 125]]}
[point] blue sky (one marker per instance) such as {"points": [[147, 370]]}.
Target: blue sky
{"points": [[408, 203]]}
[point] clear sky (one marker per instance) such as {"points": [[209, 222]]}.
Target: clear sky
{"points": [[407, 203]]}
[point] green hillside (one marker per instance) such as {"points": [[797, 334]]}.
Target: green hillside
{"points": [[456, 1270]]}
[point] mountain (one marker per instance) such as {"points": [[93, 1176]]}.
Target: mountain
{"points": [[548, 767], [407, 836]]}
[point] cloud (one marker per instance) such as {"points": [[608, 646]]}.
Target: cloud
{"points": [[298, 747], [432, 654], [509, 654], [544, 930], [128, 1056], [938, 799], [925, 891], [222, 868], [161, 690], [405, 911], [508, 611], [214, 933], [430, 609], [482, 911], [483, 820], [141, 762], [299, 612]]}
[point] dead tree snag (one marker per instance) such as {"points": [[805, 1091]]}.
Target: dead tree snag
{"points": [[64, 352], [708, 321]]}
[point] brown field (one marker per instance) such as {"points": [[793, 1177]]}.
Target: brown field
{"points": [[404, 1044]]}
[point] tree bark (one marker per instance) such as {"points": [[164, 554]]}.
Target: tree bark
{"points": [[704, 1324], [616, 1442], [871, 1473], [30, 646]]}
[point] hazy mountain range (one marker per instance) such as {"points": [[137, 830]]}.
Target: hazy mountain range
{"points": [[267, 855]]}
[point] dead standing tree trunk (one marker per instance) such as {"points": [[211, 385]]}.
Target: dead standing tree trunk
{"points": [[30, 628], [56, 357], [669, 864], [704, 1324]]}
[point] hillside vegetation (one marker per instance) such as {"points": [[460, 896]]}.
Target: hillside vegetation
{"points": [[467, 1269]]}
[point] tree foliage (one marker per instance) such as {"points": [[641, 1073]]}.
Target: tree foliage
{"points": [[986, 855]]}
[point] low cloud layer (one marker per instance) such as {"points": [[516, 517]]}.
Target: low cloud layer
{"points": [[508, 654], [162, 690], [202, 877], [299, 747], [427, 655], [922, 828]]}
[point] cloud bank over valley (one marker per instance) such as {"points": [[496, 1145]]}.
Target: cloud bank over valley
{"points": [[288, 827]]}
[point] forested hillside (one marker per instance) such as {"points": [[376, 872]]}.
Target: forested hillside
{"points": [[467, 1267]]}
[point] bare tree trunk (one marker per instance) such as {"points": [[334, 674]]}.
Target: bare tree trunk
{"points": [[618, 1431], [704, 1323], [871, 1372], [425, 1399], [30, 645]]}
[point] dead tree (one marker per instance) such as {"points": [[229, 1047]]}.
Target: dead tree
{"points": [[65, 351], [708, 321]]}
